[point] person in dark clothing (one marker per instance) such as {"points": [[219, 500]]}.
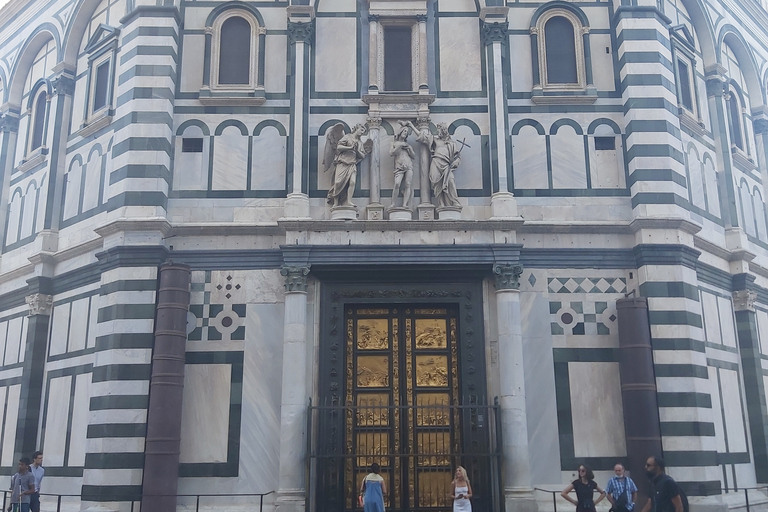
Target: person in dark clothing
{"points": [[665, 494], [585, 488]]}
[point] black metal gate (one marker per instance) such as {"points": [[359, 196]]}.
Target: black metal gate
{"points": [[417, 472]]}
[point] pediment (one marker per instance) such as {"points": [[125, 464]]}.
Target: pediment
{"points": [[684, 35], [100, 36]]}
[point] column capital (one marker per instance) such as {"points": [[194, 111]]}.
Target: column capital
{"points": [[373, 18], [760, 126], [373, 122], [421, 18], [39, 304], [744, 300], [507, 276], [63, 85], [495, 32], [303, 32], [9, 123], [295, 278], [715, 86]]}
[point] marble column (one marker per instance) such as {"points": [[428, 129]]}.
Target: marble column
{"points": [[760, 127], [425, 208], [293, 406], [495, 37], [301, 30], [751, 364], [9, 129], [374, 27], [64, 88], [375, 210], [40, 302], [716, 91], [516, 467], [422, 78]]}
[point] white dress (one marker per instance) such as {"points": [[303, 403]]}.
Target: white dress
{"points": [[462, 505]]}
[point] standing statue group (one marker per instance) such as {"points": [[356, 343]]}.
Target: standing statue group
{"points": [[344, 151]]}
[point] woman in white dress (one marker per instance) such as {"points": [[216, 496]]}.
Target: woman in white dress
{"points": [[462, 491]]}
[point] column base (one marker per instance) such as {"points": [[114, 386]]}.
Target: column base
{"points": [[504, 206], [426, 211], [374, 211], [520, 500], [449, 212], [344, 213], [296, 206], [290, 501], [400, 213]]}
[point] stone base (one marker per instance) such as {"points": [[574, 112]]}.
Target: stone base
{"points": [[400, 213], [449, 213], [296, 206], [290, 501], [426, 211], [503, 206], [344, 213], [520, 501], [374, 211]]}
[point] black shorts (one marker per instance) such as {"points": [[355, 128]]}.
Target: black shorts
{"points": [[34, 502]]}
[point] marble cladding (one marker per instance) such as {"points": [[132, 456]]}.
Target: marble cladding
{"points": [[460, 55], [205, 413], [334, 39]]}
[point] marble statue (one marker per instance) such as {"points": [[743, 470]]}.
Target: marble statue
{"points": [[404, 155], [342, 154], [443, 162]]}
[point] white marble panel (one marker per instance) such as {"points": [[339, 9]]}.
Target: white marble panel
{"points": [[79, 326], [191, 70], [72, 182], [230, 160], [762, 329], [711, 317], [3, 339], [735, 420], [190, 170], [269, 155], [470, 172], [262, 374], [28, 211], [569, 169], [275, 63], [92, 177], [11, 419], [21, 140], [56, 420], [460, 58], [520, 63], [336, 54], [205, 413], [14, 215], [13, 343], [456, 6], [726, 321], [93, 322], [602, 61], [695, 179], [745, 205], [77, 437], [78, 102], [59, 328], [605, 167], [337, 6], [597, 410], [717, 411], [529, 156]]}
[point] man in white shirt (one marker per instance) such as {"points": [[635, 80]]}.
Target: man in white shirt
{"points": [[38, 472]]}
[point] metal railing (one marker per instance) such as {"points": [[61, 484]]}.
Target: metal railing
{"points": [[746, 490], [136, 504]]}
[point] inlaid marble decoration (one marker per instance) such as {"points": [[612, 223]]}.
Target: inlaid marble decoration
{"points": [[587, 284], [582, 318], [215, 313]]}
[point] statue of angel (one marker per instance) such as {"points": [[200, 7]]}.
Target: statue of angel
{"points": [[342, 154]]}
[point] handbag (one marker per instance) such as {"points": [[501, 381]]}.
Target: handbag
{"points": [[360, 497]]}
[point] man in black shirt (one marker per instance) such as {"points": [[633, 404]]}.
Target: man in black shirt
{"points": [[665, 494]]}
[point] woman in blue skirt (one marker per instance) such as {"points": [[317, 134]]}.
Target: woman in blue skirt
{"points": [[373, 490]]}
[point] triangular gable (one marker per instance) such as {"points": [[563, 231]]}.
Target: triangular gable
{"points": [[683, 34], [102, 34]]}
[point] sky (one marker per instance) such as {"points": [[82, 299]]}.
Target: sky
{"points": [[2, 3]]}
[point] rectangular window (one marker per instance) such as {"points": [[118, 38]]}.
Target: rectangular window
{"points": [[684, 75], [397, 59], [191, 145], [605, 143], [101, 86]]}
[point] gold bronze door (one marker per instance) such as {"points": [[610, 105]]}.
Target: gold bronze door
{"points": [[403, 387]]}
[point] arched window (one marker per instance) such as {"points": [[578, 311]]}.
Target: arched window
{"points": [[560, 44], [560, 40], [235, 52], [237, 58], [734, 121], [39, 110]]}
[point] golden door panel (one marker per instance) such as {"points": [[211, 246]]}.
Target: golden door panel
{"points": [[373, 371], [432, 371], [373, 334], [431, 333]]}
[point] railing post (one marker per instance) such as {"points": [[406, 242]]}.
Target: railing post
{"points": [[746, 497], [261, 503], [197, 503], [554, 499], [58, 503]]}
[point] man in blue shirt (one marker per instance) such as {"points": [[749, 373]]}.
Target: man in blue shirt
{"points": [[38, 472], [621, 491]]}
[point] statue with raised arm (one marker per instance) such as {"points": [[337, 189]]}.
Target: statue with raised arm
{"points": [[443, 162], [404, 155], [342, 154]]}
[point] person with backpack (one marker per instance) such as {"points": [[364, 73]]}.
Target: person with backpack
{"points": [[621, 491], [666, 496]]}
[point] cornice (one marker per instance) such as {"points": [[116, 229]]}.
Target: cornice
{"points": [[409, 225]]}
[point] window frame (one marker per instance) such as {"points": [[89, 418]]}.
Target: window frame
{"points": [[39, 92], [733, 94], [101, 48], [253, 63], [683, 50], [579, 31]]}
